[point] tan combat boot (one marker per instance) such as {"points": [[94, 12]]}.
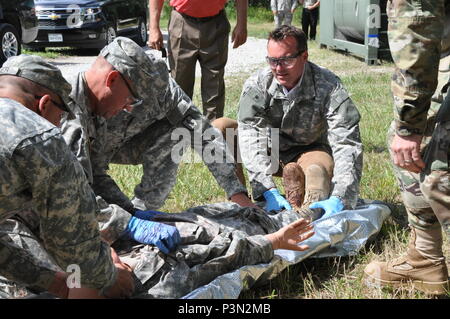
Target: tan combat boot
{"points": [[317, 188], [423, 265], [294, 184]]}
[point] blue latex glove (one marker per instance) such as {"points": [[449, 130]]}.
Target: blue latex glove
{"points": [[331, 206], [274, 201], [163, 236], [147, 214]]}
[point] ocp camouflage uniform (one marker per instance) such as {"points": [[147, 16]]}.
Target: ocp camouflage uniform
{"points": [[144, 136], [40, 174], [415, 34], [423, 68], [420, 214], [321, 114]]}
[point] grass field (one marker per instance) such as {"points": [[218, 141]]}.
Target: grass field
{"points": [[369, 88]]}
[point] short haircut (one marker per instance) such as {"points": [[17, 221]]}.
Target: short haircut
{"points": [[285, 31]]}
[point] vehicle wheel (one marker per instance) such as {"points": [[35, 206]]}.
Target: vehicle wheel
{"points": [[10, 42], [111, 34], [141, 34]]}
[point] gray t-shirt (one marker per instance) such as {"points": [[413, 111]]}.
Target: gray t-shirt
{"points": [[308, 3]]}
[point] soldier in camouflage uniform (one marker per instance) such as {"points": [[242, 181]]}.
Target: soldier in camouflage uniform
{"points": [[283, 10], [147, 135], [419, 39], [320, 150], [43, 184]]}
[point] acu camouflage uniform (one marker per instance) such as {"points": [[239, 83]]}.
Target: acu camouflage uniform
{"points": [[321, 114], [144, 136], [419, 38], [215, 239], [45, 195]]}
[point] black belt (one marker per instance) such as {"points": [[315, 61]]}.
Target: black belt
{"points": [[202, 19]]}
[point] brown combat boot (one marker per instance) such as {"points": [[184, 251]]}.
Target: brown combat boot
{"points": [[294, 184], [426, 273]]}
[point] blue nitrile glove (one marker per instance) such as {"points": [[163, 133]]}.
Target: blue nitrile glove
{"points": [[274, 201], [331, 206], [147, 214], [163, 236]]}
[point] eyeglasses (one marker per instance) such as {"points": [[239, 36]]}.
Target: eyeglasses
{"points": [[286, 62], [131, 100]]}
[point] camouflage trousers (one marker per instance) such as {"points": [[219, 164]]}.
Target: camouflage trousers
{"points": [[216, 239], [23, 231], [426, 195]]}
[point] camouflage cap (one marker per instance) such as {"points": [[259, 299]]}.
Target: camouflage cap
{"points": [[143, 70], [36, 69]]}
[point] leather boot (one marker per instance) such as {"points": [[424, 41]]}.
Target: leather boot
{"points": [[294, 184], [317, 188], [426, 271]]}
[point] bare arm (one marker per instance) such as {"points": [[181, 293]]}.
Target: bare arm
{"points": [[315, 5], [155, 40], [239, 35]]}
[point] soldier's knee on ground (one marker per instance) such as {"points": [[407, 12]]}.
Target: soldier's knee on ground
{"points": [[225, 124]]}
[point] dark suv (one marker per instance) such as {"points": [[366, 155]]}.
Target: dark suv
{"points": [[18, 23], [89, 23]]}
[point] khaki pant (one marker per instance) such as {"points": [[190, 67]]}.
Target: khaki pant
{"points": [[206, 42], [311, 155]]}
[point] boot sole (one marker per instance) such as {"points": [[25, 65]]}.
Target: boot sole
{"points": [[433, 288]]}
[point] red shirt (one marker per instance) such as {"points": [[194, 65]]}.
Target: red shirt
{"points": [[198, 8]]}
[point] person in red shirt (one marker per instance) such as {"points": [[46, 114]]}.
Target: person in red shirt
{"points": [[199, 32]]}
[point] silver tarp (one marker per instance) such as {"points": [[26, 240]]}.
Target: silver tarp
{"points": [[342, 234]]}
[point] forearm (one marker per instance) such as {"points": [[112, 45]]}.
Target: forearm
{"points": [[345, 141], [417, 60], [256, 158], [155, 8], [315, 5], [105, 186], [347, 172], [241, 13]]}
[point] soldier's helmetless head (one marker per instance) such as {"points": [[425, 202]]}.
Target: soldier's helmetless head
{"points": [[287, 53]]}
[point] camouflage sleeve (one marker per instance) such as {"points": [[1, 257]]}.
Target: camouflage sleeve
{"points": [[66, 205], [76, 137], [105, 186], [273, 5], [112, 220], [344, 139], [415, 31], [209, 143], [294, 4], [17, 265], [254, 138]]}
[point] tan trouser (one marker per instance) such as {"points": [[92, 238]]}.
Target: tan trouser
{"points": [[230, 137], [207, 43], [318, 156]]}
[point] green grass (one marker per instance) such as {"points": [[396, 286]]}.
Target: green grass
{"points": [[369, 88]]}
